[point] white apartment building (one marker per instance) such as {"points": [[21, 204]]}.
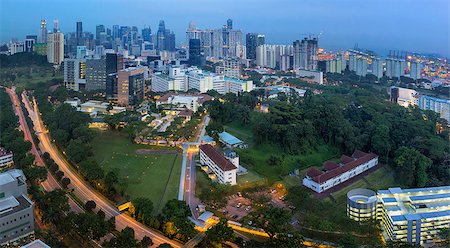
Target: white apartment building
{"points": [[404, 97], [55, 48], [337, 173], [6, 158], [220, 168], [183, 101]]}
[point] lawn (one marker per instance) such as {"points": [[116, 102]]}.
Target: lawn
{"points": [[155, 176], [29, 77], [255, 157]]}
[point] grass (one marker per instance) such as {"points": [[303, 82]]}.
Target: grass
{"points": [[147, 175], [255, 157], [250, 177], [28, 77]]}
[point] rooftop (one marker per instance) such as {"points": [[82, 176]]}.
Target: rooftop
{"points": [[346, 164], [4, 152], [217, 158], [36, 244], [13, 204], [229, 139]]}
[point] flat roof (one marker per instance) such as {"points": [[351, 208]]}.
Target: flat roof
{"points": [[36, 244], [205, 216], [430, 197], [229, 139], [24, 203]]}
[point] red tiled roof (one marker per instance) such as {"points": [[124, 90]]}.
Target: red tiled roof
{"points": [[223, 163], [185, 112], [330, 165], [346, 159], [313, 172], [361, 158]]}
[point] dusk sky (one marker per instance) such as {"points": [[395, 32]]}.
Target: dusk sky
{"points": [[379, 25]]}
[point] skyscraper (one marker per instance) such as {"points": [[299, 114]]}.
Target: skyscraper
{"points": [[79, 34], [194, 52], [252, 40], [229, 24], [55, 26], [43, 32], [170, 41], [98, 30], [161, 36], [147, 34], [305, 54], [130, 85], [415, 69], [55, 48], [115, 32], [377, 68], [28, 45]]}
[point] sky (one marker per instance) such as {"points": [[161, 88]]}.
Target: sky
{"points": [[380, 25]]}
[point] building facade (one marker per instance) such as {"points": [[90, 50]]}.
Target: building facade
{"points": [[6, 158], [305, 54], [437, 105], [16, 209], [55, 48], [361, 205], [223, 170], [130, 85], [336, 173]]}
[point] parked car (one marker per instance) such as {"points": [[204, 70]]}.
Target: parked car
{"points": [[238, 205]]}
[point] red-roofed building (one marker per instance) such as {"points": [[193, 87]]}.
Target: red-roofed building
{"points": [[6, 157], [336, 173], [224, 170]]}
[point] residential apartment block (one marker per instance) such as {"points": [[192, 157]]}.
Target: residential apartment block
{"points": [[6, 157], [16, 210], [336, 173], [218, 167]]}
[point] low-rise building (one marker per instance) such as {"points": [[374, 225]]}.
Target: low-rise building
{"points": [[334, 174], [404, 97], [222, 168], [316, 76], [93, 106], [231, 141], [183, 101], [16, 210], [6, 157]]}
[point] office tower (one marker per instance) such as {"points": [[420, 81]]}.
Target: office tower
{"points": [[130, 85], [43, 32], [195, 57], [96, 74], [17, 212], [98, 30], [55, 48], [305, 54], [170, 41], [361, 67], [415, 69], [32, 37], [147, 34], [161, 36], [75, 74], [79, 34], [111, 63], [29, 43], [115, 32], [55, 26], [377, 67], [229, 24], [253, 40]]}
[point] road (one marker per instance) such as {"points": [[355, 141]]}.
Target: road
{"points": [[83, 190]]}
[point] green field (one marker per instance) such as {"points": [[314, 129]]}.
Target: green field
{"points": [[255, 157], [30, 77], [155, 176]]}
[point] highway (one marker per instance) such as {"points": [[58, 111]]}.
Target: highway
{"points": [[83, 190]]}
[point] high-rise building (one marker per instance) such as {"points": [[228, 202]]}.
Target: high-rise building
{"points": [[98, 30], [377, 68], [252, 40], [438, 105], [170, 41], [361, 67], [415, 69], [130, 85], [305, 54], [195, 57], [55, 26], [161, 36], [352, 62], [96, 74], [32, 37], [270, 55], [229, 24], [395, 68], [55, 48], [79, 34], [28, 45], [147, 34], [115, 32], [75, 74], [43, 32], [230, 67], [17, 212]]}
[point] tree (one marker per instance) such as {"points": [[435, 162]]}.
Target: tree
{"points": [[165, 245], [276, 220], [381, 141], [65, 182], [146, 241], [90, 206], [411, 167], [143, 208], [53, 206], [444, 235], [220, 233], [124, 239], [59, 175], [36, 174], [348, 241], [287, 241]]}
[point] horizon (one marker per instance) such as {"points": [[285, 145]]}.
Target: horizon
{"points": [[341, 25]]}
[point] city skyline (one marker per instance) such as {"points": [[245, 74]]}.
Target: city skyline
{"points": [[341, 23]]}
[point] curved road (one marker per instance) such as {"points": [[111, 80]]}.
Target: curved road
{"points": [[83, 190]]}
